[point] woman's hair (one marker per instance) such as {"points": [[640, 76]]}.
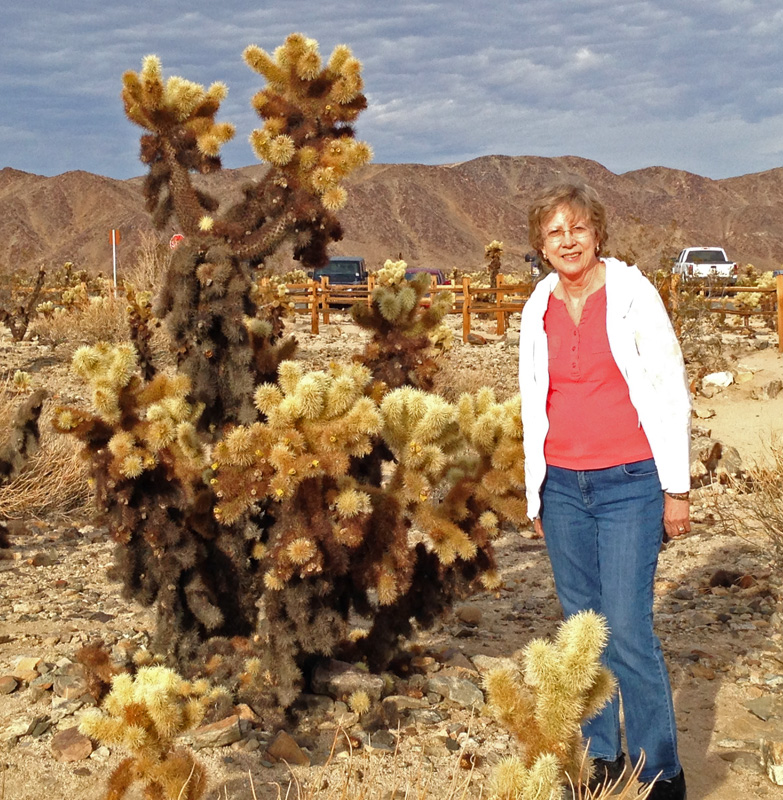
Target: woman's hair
{"points": [[580, 198]]}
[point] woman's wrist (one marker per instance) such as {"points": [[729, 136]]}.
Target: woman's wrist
{"points": [[678, 495]]}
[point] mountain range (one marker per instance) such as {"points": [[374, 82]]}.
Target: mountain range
{"points": [[440, 216]]}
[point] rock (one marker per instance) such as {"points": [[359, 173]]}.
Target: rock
{"points": [[460, 691], [316, 705], [339, 679], [470, 615], [701, 412], [729, 465], [285, 748], [217, 734], [719, 379], [70, 687], [476, 338], [396, 703], [70, 745], [26, 668], [766, 707], [768, 392], [43, 560], [8, 684], [772, 760], [459, 661], [486, 663], [744, 377]]}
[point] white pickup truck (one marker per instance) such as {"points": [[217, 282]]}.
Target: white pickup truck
{"points": [[705, 264]]}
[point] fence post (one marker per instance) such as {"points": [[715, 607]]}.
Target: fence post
{"points": [[325, 297], [465, 309], [779, 298], [500, 295], [314, 308], [370, 288]]}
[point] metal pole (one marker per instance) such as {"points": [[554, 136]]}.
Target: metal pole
{"points": [[114, 256]]}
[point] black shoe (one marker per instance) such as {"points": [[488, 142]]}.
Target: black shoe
{"points": [[673, 789], [605, 772]]}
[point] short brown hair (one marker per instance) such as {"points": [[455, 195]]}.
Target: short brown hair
{"points": [[577, 196]]}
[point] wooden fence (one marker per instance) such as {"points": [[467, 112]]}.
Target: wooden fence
{"points": [[320, 299]]}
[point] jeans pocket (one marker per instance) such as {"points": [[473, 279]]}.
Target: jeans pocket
{"points": [[640, 469]]}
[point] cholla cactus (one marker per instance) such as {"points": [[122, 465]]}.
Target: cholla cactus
{"points": [[404, 338], [144, 715], [542, 700], [259, 506], [493, 253]]}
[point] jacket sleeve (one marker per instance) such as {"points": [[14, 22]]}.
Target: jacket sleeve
{"points": [[662, 395]]}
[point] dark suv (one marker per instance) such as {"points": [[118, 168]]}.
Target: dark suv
{"points": [[342, 270]]}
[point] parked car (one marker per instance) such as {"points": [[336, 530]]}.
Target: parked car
{"points": [[412, 272], [342, 270], [706, 264]]}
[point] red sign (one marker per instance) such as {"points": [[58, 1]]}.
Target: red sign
{"points": [[114, 236], [175, 240]]}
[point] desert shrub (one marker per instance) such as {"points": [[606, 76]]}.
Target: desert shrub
{"points": [[760, 507], [151, 260], [51, 479], [258, 506], [99, 318]]}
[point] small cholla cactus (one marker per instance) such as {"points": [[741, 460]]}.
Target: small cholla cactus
{"points": [[542, 700], [401, 350], [21, 381], [493, 253], [144, 715]]}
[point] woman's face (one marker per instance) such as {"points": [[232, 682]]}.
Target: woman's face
{"points": [[570, 243]]}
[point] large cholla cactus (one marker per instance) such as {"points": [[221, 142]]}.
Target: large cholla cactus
{"points": [[401, 350], [144, 715], [258, 506], [543, 702]]}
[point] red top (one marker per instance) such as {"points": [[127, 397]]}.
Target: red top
{"points": [[592, 422]]}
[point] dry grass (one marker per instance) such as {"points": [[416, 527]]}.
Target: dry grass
{"points": [[53, 483], [102, 319], [362, 776], [761, 509], [152, 260]]}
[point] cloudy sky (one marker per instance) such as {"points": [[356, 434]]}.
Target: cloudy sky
{"points": [[689, 84]]}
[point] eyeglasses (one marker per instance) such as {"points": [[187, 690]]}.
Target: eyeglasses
{"points": [[557, 235]]}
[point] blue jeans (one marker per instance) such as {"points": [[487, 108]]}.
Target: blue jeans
{"points": [[603, 532]]}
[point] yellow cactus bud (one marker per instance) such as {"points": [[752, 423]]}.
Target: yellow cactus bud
{"points": [[301, 550]]}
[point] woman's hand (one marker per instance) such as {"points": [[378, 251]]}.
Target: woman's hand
{"points": [[538, 528], [676, 516]]}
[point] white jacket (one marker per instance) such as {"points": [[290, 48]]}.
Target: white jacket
{"points": [[648, 354]]}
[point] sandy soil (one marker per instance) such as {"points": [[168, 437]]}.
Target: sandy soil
{"points": [[723, 645]]}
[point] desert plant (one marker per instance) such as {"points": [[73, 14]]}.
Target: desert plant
{"points": [[257, 505], [493, 255], [19, 303], [144, 714], [543, 699], [401, 351], [23, 439]]}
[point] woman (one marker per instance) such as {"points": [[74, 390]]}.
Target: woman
{"points": [[606, 417]]}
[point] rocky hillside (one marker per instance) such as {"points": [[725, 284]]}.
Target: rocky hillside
{"points": [[430, 215]]}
